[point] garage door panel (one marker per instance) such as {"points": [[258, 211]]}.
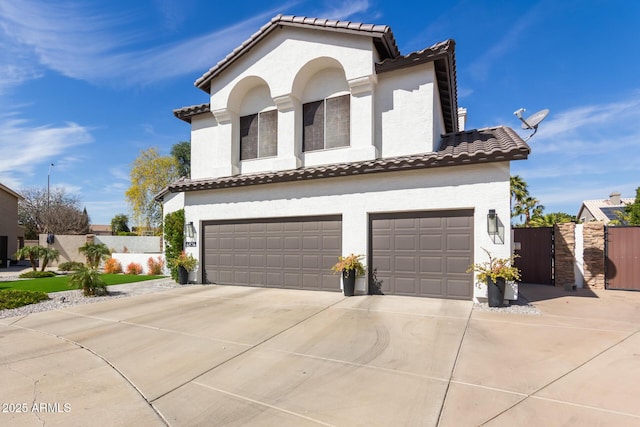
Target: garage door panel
{"points": [[459, 222], [432, 265], [431, 242], [405, 264], [406, 285], [459, 242], [405, 242], [458, 288], [431, 223], [458, 265], [275, 243], [225, 260], [432, 287], [311, 243], [292, 253], [423, 253], [331, 243]]}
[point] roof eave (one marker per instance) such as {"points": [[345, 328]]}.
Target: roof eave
{"points": [[386, 44]]}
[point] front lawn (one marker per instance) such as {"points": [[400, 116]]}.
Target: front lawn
{"points": [[60, 283]]}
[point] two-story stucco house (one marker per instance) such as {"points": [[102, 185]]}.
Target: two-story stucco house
{"points": [[10, 231], [320, 139]]}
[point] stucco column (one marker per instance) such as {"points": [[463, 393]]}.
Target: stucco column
{"points": [[355, 232], [362, 118], [289, 132], [228, 143]]}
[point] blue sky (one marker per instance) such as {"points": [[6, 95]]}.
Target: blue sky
{"points": [[88, 84]]}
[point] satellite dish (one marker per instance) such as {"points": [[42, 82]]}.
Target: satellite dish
{"points": [[532, 121]]}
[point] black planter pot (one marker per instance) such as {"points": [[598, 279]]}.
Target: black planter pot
{"points": [[495, 291], [348, 282], [183, 275]]}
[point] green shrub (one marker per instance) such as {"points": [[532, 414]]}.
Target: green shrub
{"points": [[89, 281], [14, 298], [173, 239], [70, 266], [37, 274]]}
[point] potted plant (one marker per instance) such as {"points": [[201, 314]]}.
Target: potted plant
{"points": [[185, 264], [350, 266], [495, 273]]}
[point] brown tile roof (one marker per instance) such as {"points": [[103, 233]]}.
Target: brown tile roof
{"points": [[382, 35], [462, 148], [185, 113]]}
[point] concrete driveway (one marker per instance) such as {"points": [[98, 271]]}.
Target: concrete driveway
{"points": [[233, 356]]}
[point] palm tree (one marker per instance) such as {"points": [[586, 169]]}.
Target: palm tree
{"points": [[550, 219], [94, 252], [529, 207], [48, 254], [32, 253], [519, 192]]}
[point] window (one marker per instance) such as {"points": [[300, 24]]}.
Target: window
{"points": [[259, 135], [326, 123]]}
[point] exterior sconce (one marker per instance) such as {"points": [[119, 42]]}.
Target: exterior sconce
{"points": [[495, 228], [189, 234]]}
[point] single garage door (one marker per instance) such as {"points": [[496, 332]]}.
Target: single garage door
{"points": [[423, 254], [295, 253]]}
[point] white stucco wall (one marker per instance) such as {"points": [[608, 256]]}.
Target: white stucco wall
{"points": [[395, 113], [404, 111], [469, 187]]}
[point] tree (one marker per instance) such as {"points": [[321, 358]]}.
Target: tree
{"points": [[120, 224], [53, 211], [95, 252], [633, 210], [529, 207], [173, 239], [550, 219], [48, 254], [88, 279], [32, 253], [182, 153], [150, 173], [519, 192]]}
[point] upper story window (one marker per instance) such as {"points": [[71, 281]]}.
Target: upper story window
{"points": [[259, 135], [326, 123]]}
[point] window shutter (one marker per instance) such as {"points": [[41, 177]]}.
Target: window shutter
{"points": [[249, 137], [313, 130], [268, 134], [338, 121]]}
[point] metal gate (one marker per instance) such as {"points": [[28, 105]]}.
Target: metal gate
{"points": [[622, 258], [535, 254]]}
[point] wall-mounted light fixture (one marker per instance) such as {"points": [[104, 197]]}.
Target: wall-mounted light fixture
{"points": [[189, 234], [495, 228]]}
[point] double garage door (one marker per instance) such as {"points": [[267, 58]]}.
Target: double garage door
{"points": [[294, 253], [417, 254]]}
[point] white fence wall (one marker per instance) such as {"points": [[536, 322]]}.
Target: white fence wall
{"points": [[127, 258], [131, 244]]}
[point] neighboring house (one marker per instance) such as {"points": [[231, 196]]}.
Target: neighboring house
{"points": [[603, 210], [320, 139], [11, 233], [100, 229]]}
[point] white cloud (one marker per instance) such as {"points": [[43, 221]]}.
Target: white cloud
{"points": [[509, 41], [91, 45], [25, 148]]}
